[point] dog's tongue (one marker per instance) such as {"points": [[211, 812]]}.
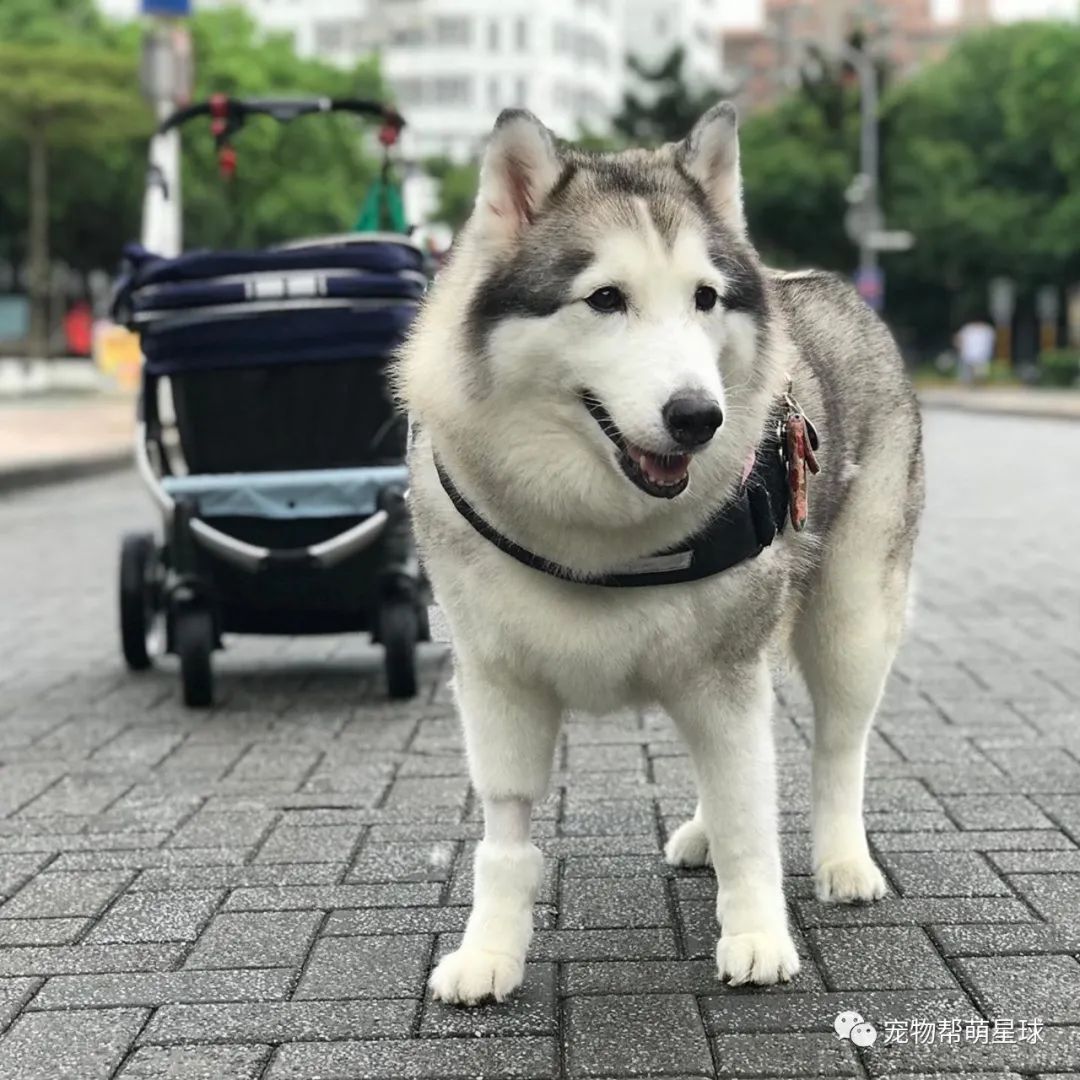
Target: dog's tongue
{"points": [[667, 469]]}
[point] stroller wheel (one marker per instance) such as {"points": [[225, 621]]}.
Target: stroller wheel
{"points": [[139, 599], [193, 642], [398, 631]]}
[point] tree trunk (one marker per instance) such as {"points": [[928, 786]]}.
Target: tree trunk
{"points": [[38, 245]]}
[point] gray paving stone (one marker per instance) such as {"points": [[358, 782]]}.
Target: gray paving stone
{"points": [[172, 916], [960, 873], [904, 911], [403, 862], [63, 895], [966, 1075], [137, 858], [598, 903], [529, 1058], [1036, 862], [996, 812], [614, 866], [1058, 1051], [606, 817], [77, 795], [17, 869], [14, 993], [239, 829], [1054, 896], [40, 931], [881, 958], [975, 840], [658, 944], [641, 977], [530, 1011], [394, 966], [773, 1054], [1004, 940], [425, 920], [324, 897], [84, 1044], [441, 791], [282, 1021], [159, 988], [87, 959], [21, 784], [165, 879], [647, 1034], [744, 1009], [1024, 986], [325, 843], [255, 939], [195, 1063]]}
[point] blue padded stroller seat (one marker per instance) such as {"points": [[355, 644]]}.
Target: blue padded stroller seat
{"points": [[277, 358]]}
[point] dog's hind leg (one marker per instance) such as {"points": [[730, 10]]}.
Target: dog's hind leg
{"points": [[845, 641], [510, 733], [688, 845], [725, 722]]}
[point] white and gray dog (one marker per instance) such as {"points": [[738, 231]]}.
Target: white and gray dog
{"points": [[608, 390]]}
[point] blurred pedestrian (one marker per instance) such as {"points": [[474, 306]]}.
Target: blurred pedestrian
{"points": [[974, 343]]}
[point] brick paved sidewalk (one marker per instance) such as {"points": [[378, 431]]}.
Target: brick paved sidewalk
{"points": [[260, 892]]}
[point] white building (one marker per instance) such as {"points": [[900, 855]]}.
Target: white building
{"points": [[455, 64], [653, 28]]}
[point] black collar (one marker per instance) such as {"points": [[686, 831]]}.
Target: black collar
{"points": [[740, 530]]}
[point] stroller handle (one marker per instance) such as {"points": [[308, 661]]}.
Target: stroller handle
{"points": [[236, 110]]}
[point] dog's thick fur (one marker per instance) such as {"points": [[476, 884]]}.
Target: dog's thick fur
{"points": [[493, 377]]}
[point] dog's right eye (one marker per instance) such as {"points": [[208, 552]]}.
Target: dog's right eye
{"points": [[606, 300]]}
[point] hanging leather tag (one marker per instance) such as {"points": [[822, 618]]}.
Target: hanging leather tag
{"points": [[799, 457]]}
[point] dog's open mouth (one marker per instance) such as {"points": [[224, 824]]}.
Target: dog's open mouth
{"points": [[661, 475]]}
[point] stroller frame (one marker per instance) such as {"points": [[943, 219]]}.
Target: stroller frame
{"points": [[202, 579]]}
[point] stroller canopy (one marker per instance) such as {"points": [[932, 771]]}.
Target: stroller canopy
{"points": [[323, 302]]}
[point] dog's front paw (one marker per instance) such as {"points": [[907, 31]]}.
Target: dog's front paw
{"points": [[472, 975], [688, 846], [761, 957], [849, 880]]}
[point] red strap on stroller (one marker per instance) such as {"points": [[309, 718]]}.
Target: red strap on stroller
{"points": [[222, 125]]}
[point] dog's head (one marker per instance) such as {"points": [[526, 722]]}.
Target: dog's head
{"points": [[597, 334]]}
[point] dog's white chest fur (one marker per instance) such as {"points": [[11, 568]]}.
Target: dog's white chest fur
{"points": [[597, 648]]}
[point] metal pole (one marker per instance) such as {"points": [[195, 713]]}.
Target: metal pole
{"points": [[868, 144]]}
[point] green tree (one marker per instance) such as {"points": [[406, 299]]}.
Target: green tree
{"points": [[981, 166], [796, 167], [303, 178], [50, 22], [457, 189], [59, 95], [666, 108]]}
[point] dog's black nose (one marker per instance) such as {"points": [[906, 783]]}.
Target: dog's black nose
{"points": [[692, 419]]}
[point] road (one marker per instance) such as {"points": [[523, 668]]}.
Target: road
{"points": [[259, 892]]}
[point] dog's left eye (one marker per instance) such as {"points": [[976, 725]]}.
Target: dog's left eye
{"points": [[705, 298], [606, 300]]}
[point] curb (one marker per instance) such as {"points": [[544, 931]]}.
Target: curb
{"points": [[1041, 411], [40, 474]]}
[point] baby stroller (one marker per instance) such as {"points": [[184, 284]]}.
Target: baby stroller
{"points": [[281, 483]]}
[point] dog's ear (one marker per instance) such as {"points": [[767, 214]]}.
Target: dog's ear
{"points": [[710, 154], [521, 165]]}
